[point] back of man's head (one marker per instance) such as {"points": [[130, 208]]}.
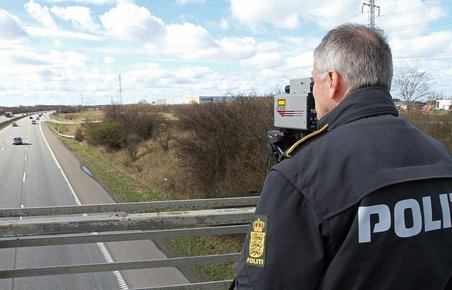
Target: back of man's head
{"points": [[360, 54]]}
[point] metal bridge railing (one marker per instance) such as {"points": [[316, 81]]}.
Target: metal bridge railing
{"points": [[62, 225]]}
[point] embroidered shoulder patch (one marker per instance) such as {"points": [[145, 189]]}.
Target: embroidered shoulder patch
{"points": [[256, 247]]}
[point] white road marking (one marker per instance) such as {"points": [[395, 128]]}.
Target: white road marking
{"points": [[24, 178], [119, 278], [121, 282]]}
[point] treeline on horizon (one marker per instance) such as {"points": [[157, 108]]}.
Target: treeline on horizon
{"points": [[40, 108]]}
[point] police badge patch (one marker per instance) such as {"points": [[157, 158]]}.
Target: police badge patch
{"points": [[256, 247]]}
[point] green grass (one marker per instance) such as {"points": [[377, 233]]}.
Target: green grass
{"points": [[200, 246]]}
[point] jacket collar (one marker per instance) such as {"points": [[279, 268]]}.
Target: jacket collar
{"points": [[362, 103]]}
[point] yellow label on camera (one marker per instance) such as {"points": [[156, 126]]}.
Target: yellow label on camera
{"points": [[281, 102]]}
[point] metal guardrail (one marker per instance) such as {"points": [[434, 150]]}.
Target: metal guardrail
{"points": [[62, 225]]}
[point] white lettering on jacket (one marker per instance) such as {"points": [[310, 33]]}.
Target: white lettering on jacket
{"points": [[407, 218]]}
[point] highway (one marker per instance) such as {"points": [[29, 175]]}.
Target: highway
{"points": [[42, 172]]}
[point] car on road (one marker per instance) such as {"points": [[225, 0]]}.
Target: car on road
{"points": [[17, 141], [14, 124], [33, 122], [31, 117]]}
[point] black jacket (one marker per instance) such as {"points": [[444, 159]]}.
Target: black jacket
{"points": [[366, 205]]}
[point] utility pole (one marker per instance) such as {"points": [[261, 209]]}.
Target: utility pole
{"points": [[371, 13], [120, 91]]}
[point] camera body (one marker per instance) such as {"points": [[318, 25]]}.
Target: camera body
{"points": [[294, 116]]}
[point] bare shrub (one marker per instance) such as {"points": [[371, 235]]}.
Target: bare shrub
{"points": [[164, 136], [79, 134], [226, 145]]}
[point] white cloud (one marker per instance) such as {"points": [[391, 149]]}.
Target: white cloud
{"points": [[31, 75], [302, 60], [78, 15], [224, 24], [95, 2], [10, 27], [183, 41], [53, 58], [435, 43], [189, 41], [237, 48], [43, 32], [135, 23], [41, 14], [409, 18], [109, 60], [264, 60], [282, 13], [185, 2]]}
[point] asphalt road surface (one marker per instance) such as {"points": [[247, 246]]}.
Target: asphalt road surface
{"points": [[42, 172]]}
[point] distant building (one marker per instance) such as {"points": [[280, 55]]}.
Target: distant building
{"points": [[445, 105], [161, 101]]}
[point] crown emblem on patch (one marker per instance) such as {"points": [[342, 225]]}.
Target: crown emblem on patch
{"points": [[258, 225]]}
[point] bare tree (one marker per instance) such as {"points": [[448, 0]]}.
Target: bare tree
{"points": [[411, 85]]}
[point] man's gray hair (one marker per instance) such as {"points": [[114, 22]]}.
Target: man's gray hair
{"points": [[360, 54]]}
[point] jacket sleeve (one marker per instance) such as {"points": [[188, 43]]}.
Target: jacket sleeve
{"points": [[293, 250]]}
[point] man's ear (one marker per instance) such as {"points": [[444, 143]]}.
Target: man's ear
{"points": [[336, 88]]}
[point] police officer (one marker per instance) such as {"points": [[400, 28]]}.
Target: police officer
{"points": [[364, 205]]}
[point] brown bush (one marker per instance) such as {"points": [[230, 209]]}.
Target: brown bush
{"points": [[79, 134], [225, 145], [142, 120]]}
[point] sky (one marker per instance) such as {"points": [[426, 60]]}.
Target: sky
{"points": [[94, 52]]}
